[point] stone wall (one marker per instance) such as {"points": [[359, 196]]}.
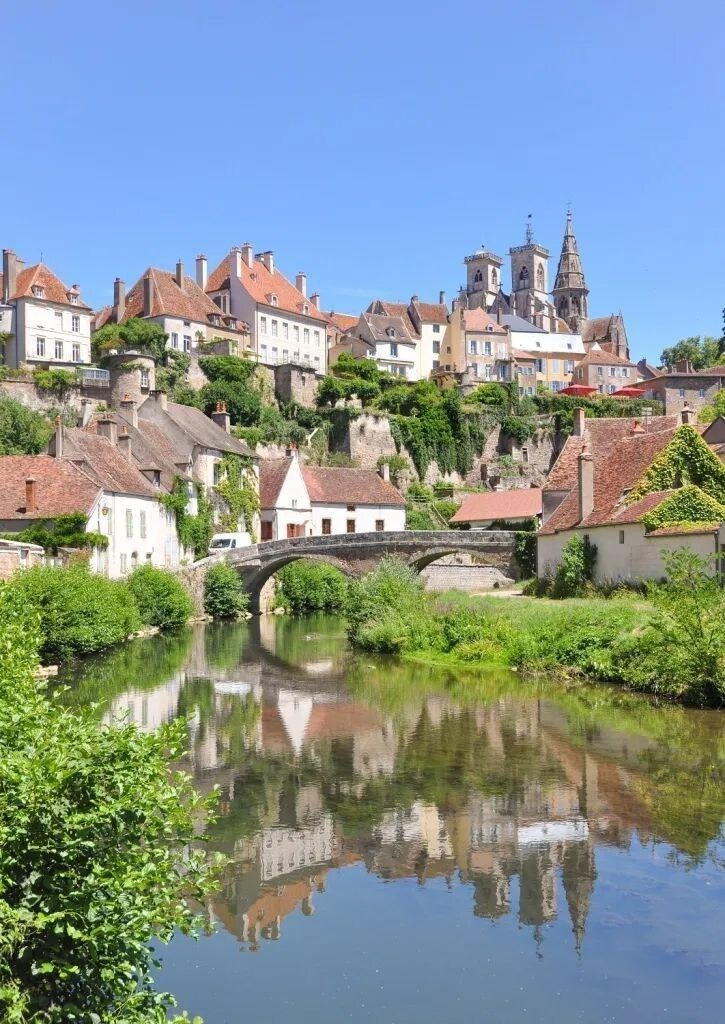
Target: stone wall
{"points": [[464, 572], [26, 393], [295, 384]]}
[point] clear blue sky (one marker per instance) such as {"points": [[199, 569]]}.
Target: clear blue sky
{"points": [[373, 144]]}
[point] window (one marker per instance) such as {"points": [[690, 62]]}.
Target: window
{"points": [[275, 329], [285, 329], [350, 526], [38, 291], [436, 364], [568, 345], [293, 502], [600, 371], [129, 523], [145, 380], [76, 353], [539, 365], [625, 371], [317, 338], [73, 299], [326, 527], [266, 533], [504, 371], [472, 348], [305, 309], [436, 347], [682, 392], [187, 343], [436, 328], [75, 324], [529, 391], [174, 340], [487, 350], [554, 365], [524, 454], [306, 335], [263, 351], [612, 371], [142, 525], [317, 360], [296, 332], [477, 277], [124, 564], [701, 392], [569, 365], [351, 508], [285, 355], [59, 350], [393, 348], [275, 353], [40, 347], [59, 320], [524, 278], [263, 324], [273, 300], [379, 525], [540, 277], [621, 536]]}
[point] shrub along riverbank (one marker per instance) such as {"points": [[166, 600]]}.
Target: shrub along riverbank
{"points": [[670, 644]]}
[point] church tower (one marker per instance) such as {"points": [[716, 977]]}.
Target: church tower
{"points": [[570, 288], [483, 278], [529, 286]]}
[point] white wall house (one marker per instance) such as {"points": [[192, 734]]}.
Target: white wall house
{"points": [[312, 501], [49, 323], [287, 325]]}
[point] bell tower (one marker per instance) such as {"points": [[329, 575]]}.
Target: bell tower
{"points": [[570, 289], [483, 278], [529, 276]]}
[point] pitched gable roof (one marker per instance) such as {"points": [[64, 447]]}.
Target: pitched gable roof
{"points": [[431, 312], [105, 463], [515, 504], [150, 449], [262, 285], [598, 357], [343, 321], [399, 310], [204, 431], [479, 320], [272, 475], [60, 487], [337, 486], [380, 323], [40, 276]]}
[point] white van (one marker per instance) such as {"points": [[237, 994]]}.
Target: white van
{"points": [[226, 541]]}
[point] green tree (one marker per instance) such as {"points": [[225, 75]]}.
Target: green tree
{"points": [[136, 333], [224, 593], [93, 833], [244, 403], [305, 586], [161, 599], [22, 432], [701, 352]]}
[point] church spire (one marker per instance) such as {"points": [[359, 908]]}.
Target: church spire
{"points": [[570, 288]]}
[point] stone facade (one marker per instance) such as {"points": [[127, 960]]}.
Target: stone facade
{"points": [[295, 384], [678, 390]]}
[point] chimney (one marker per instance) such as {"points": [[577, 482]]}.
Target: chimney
{"points": [[301, 283], [31, 503], [180, 273], [586, 484], [124, 444], [221, 417], [58, 438], [202, 271], [129, 411], [86, 411], [441, 298], [247, 255], [160, 398], [687, 416], [148, 295], [10, 274], [235, 262], [384, 471], [268, 260], [315, 299], [119, 300], [107, 428], [579, 418]]}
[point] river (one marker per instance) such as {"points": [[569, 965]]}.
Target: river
{"points": [[410, 845]]}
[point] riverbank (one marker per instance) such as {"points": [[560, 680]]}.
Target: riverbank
{"points": [[669, 645]]}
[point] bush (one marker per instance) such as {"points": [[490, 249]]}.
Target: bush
{"points": [[80, 612], [304, 587], [161, 599], [22, 432], [95, 834], [224, 593], [576, 568], [387, 611]]}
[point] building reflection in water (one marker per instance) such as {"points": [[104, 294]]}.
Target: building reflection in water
{"points": [[313, 779]]}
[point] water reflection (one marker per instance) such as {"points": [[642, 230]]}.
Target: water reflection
{"points": [[413, 773]]}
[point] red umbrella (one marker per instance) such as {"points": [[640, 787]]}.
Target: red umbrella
{"points": [[578, 390]]}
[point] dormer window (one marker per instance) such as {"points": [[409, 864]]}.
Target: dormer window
{"points": [[38, 291], [216, 320], [273, 300], [489, 328], [390, 332], [73, 298], [305, 309]]}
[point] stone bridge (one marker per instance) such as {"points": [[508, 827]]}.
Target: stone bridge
{"points": [[357, 553]]}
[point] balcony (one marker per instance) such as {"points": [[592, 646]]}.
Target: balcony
{"points": [[92, 377]]}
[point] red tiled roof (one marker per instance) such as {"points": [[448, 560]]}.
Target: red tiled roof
{"points": [[272, 474], [103, 462], [597, 328], [41, 276], [262, 285], [679, 531], [343, 321], [432, 312], [518, 353], [480, 320], [596, 357], [334, 486], [636, 512], [60, 487], [516, 504], [396, 309]]}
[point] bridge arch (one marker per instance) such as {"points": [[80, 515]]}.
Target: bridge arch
{"points": [[254, 582]]}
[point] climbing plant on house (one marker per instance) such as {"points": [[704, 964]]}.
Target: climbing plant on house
{"points": [[687, 459], [690, 506], [194, 531], [238, 489]]}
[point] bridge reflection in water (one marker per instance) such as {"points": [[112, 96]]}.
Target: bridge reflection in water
{"points": [[407, 772]]}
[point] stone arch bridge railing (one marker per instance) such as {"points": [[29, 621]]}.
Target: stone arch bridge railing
{"points": [[357, 553]]}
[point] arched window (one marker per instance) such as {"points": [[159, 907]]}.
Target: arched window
{"points": [[478, 277], [494, 277], [540, 277], [575, 304], [524, 278], [563, 306]]}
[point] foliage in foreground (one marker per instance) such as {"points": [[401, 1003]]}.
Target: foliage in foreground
{"points": [[224, 593], [305, 587], [92, 829], [22, 431], [161, 599], [672, 646], [80, 612]]}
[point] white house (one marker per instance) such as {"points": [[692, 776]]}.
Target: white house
{"points": [[306, 501], [49, 324], [286, 325]]}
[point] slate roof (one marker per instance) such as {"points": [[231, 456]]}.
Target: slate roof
{"points": [[105, 463], [379, 323], [399, 310], [41, 276], [517, 323], [337, 486], [261, 286], [696, 375], [204, 431], [150, 448], [60, 487], [514, 504]]}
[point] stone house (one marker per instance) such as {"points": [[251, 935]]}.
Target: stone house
{"points": [[286, 325], [49, 324], [389, 339], [684, 386], [182, 308], [605, 371], [311, 501]]}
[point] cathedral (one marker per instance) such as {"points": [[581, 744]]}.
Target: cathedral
{"points": [[564, 309]]}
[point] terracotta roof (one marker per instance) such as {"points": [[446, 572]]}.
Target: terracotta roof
{"points": [[343, 321], [150, 448], [597, 356], [711, 371], [334, 486], [636, 512], [54, 290], [516, 504], [394, 309], [204, 431], [59, 486], [432, 312], [480, 320], [616, 471], [518, 353], [104, 463], [272, 474], [189, 302], [262, 285]]}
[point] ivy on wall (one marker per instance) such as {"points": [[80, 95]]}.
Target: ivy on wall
{"points": [[689, 505], [238, 489], [194, 531], [687, 459]]}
